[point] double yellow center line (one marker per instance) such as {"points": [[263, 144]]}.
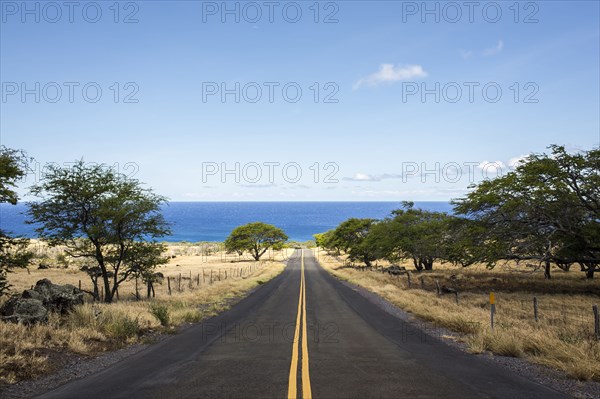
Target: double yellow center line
{"points": [[300, 320]]}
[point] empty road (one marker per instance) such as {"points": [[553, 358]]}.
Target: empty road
{"points": [[303, 334]]}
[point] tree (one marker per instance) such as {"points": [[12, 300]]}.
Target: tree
{"points": [[327, 241], [413, 234], [98, 214], [142, 260], [350, 236], [464, 243], [255, 238], [547, 209], [320, 239], [95, 273], [576, 178], [13, 250]]}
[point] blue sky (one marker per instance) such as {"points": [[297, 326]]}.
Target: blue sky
{"points": [[373, 143]]}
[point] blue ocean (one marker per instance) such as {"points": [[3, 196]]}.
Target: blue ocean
{"points": [[213, 221]]}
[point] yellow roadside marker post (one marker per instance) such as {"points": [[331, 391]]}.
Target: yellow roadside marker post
{"points": [[492, 309]]}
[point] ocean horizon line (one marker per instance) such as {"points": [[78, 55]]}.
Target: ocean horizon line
{"points": [[195, 221]]}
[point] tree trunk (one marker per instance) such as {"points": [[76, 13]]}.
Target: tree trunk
{"points": [[96, 290], [255, 254], [590, 273], [100, 259], [107, 290], [564, 266], [547, 270], [428, 263], [588, 268], [417, 264]]}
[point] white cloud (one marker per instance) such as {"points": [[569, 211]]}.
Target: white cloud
{"points": [[255, 185], [430, 192], [200, 196], [494, 50], [363, 177], [492, 169], [296, 187], [466, 54], [367, 177], [516, 161], [388, 73]]}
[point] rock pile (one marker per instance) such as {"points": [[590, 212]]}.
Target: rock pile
{"points": [[33, 305]]}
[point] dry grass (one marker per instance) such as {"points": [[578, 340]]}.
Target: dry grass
{"points": [[27, 352], [563, 338]]}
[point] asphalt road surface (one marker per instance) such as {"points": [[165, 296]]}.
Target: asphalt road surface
{"points": [[303, 334]]}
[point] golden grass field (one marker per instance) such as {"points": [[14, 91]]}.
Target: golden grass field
{"points": [[93, 328], [562, 338]]}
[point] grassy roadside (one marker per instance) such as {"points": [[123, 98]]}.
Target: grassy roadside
{"points": [[93, 328], [562, 338]]}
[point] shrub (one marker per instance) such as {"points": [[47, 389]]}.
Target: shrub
{"points": [[123, 328], [161, 312]]}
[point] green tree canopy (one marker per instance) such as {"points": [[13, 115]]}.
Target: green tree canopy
{"points": [[327, 241], [547, 209], [98, 214], [255, 238], [411, 234], [13, 250], [350, 237]]}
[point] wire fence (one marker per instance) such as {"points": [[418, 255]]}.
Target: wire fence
{"points": [[575, 322]]}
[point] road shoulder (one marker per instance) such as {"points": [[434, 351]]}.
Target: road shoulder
{"points": [[539, 374]]}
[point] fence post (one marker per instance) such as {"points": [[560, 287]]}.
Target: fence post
{"points": [[409, 281], [596, 321], [79, 285], [198, 280], [535, 308], [169, 284], [437, 285], [211, 276], [179, 283], [456, 296]]}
